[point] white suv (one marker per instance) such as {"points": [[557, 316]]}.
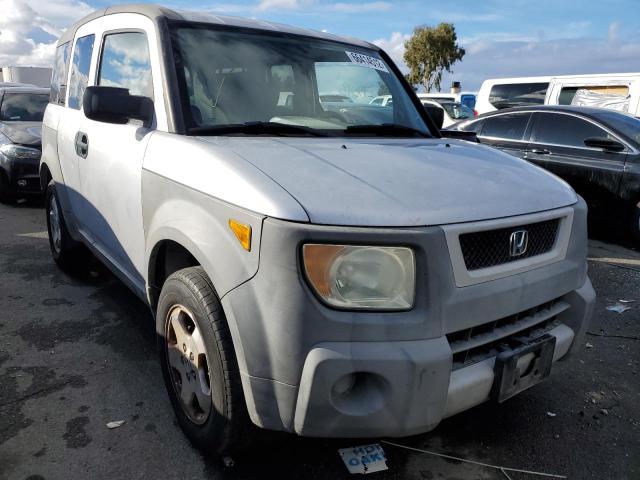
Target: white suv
{"points": [[328, 269]]}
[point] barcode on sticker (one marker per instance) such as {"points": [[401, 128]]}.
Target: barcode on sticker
{"points": [[367, 61]]}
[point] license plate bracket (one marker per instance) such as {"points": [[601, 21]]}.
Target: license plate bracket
{"points": [[522, 367]]}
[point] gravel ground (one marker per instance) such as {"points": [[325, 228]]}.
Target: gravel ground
{"points": [[76, 353]]}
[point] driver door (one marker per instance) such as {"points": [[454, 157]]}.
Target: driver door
{"points": [[111, 167]]}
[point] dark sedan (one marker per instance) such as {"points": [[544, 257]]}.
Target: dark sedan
{"points": [[597, 151], [21, 112]]}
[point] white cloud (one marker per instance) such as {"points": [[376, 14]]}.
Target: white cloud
{"points": [[309, 6], [394, 46], [23, 21], [358, 7], [514, 55]]}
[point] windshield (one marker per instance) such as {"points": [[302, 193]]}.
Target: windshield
{"points": [[628, 125], [23, 107], [457, 110], [239, 78]]}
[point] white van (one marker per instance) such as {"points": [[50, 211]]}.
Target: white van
{"points": [[499, 93], [618, 91]]}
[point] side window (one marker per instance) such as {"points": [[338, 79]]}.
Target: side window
{"points": [[508, 127], [125, 63], [517, 94], [80, 70], [473, 126], [59, 77], [565, 130]]}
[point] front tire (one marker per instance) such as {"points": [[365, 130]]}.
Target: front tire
{"points": [[199, 364], [66, 252], [634, 226], [5, 194]]}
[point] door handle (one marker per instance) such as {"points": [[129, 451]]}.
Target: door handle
{"points": [[540, 151], [82, 144]]}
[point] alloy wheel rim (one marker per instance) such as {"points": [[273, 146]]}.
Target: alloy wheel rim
{"points": [[188, 364], [54, 222]]}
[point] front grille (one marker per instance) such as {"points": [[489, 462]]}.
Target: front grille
{"points": [[27, 169], [492, 247], [475, 344]]}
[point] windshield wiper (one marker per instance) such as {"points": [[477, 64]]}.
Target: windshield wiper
{"points": [[386, 129], [256, 128]]}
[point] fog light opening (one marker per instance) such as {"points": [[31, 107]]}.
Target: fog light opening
{"points": [[359, 393]]}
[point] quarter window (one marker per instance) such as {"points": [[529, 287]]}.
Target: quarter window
{"points": [[507, 127], [125, 63], [59, 77], [565, 130], [518, 94], [80, 70]]}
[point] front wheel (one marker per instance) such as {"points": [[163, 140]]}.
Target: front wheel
{"points": [[5, 195], [635, 224], [198, 363]]}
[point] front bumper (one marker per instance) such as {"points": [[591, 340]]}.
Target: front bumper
{"points": [[23, 176], [294, 353]]}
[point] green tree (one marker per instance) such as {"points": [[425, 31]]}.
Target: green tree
{"points": [[429, 52]]}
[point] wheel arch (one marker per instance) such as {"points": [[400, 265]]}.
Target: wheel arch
{"points": [[45, 176]]}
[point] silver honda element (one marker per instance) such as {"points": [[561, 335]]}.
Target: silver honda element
{"points": [[315, 263]]}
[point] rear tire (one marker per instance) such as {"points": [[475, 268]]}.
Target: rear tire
{"points": [[66, 252], [199, 364]]}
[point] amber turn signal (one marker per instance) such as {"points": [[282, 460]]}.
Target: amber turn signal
{"points": [[242, 233]]}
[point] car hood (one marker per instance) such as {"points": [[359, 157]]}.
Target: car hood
{"points": [[23, 133], [401, 182]]}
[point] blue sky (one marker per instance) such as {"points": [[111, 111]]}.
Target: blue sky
{"points": [[502, 37]]}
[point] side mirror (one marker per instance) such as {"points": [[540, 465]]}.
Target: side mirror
{"points": [[604, 143], [116, 105], [436, 114]]}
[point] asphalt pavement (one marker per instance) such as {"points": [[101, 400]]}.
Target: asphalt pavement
{"points": [[79, 352]]}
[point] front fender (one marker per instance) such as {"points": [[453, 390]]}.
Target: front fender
{"points": [[200, 224]]}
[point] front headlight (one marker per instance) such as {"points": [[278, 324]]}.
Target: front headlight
{"points": [[361, 277], [19, 152]]}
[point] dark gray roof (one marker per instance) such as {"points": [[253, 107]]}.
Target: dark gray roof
{"points": [[588, 111], [157, 12]]}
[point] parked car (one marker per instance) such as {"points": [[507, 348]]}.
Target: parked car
{"points": [[453, 111], [382, 100], [328, 98], [499, 93], [617, 91], [341, 273], [21, 111], [466, 98], [596, 150]]}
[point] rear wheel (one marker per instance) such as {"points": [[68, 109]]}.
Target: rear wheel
{"points": [[66, 252], [198, 363]]}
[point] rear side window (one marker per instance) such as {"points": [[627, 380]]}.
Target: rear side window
{"points": [[517, 94], [565, 130], [125, 63], [568, 93], [59, 77], [80, 70], [508, 127]]}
